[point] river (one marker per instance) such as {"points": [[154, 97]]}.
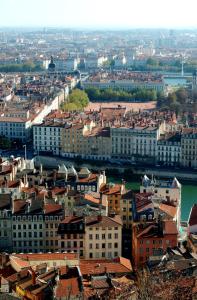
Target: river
{"points": [[189, 195]]}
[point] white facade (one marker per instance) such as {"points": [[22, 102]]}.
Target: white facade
{"points": [[15, 128], [134, 143], [47, 138], [127, 85]]}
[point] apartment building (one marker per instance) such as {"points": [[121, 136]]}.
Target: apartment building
{"points": [[138, 143], [125, 80], [15, 128], [71, 233], [169, 150], [103, 237], [189, 148], [168, 191], [114, 193], [152, 240], [87, 141], [91, 236], [47, 137], [34, 228]]}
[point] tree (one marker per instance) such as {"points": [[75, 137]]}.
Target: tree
{"points": [[78, 99], [152, 62], [79, 96]]}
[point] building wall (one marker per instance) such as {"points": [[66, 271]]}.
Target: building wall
{"points": [[189, 150], [47, 138], [103, 242], [142, 248]]}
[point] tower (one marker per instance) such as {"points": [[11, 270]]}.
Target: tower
{"points": [[51, 66]]}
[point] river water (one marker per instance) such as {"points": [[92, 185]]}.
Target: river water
{"points": [[189, 195]]}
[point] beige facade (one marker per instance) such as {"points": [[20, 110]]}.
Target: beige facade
{"points": [[103, 237], [88, 141], [126, 209]]}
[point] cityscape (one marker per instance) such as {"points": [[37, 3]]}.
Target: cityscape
{"points": [[98, 152]]}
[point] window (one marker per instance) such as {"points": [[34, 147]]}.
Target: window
{"points": [[97, 236], [109, 235], [103, 236], [103, 254], [90, 236], [115, 245], [90, 255], [90, 246], [103, 246], [97, 246], [116, 235], [141, 250]]}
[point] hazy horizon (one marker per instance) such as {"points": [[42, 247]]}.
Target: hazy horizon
{"points": [[88, 14]]}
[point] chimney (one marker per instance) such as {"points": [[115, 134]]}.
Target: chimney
{"points": [[99, 218], [33, 275]]}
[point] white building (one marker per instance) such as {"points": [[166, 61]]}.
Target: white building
{"points": [[168, 190], [47, 137], [137, 143]]}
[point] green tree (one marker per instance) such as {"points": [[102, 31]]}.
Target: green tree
{"points": [[152, 62], [79, 96], [77, 100]]}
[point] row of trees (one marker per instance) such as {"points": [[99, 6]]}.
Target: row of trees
{"points": [[177, 101], [77, 101], [27, 67], [96, 94]]}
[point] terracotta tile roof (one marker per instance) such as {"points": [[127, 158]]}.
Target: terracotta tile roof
{"points": [[170, 227], [14, 277], [19, 262], [91, 178], [116, 189], [52, 208], [10, 184], [100, 284], [119, 265], [58, 191], [46, 256], [193, 216], [66, 287], [104, 221], [72, 219], [18, 205], [168, 209]]}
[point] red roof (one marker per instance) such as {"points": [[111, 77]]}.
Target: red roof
{"points": [[119, 265], [47, 256], [193, 216], [52, 208], [168, 209], [67, 287]]}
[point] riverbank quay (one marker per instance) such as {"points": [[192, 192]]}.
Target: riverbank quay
{"points": [[185, 175]]}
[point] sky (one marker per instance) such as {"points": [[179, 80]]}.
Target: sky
{"points": [[99, 13]]}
